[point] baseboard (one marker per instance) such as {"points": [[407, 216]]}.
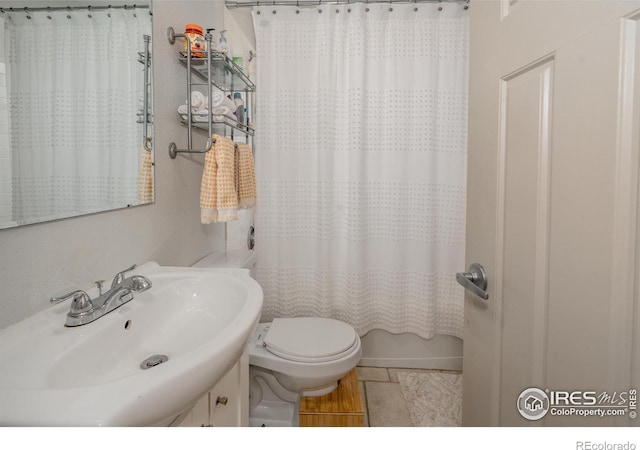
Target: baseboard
{"points": [[408, 351], [440, 363]]}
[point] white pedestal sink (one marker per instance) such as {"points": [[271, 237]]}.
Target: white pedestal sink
{"points": [[90, 375]]}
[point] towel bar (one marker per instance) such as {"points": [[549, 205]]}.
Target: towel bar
{"points": [[145, 104]]}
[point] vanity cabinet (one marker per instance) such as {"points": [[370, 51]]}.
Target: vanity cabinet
{"points": [[225, 405]]}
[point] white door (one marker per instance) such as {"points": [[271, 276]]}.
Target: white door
{"points": [[553, 212]]}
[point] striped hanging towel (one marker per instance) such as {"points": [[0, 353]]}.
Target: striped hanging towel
{"points": [[145, 177], [246, 177], [218, 195]]}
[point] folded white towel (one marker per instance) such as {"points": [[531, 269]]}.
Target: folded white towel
{"points": [[217, 111], [229, 103], [198, 100], [203, 116], [218, 98]]}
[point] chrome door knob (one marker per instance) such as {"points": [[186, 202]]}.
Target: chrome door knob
{"points": [[475, 280]]}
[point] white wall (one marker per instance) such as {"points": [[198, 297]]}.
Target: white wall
{"points": [[37, 261]]}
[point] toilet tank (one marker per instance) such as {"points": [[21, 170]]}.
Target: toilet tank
{"points": [[238, 259]]}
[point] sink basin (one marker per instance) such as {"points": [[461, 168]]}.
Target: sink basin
{"points": [[199, 318]]}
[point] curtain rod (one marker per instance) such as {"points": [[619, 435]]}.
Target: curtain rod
{"points": [[302, 3], [28, 9]]}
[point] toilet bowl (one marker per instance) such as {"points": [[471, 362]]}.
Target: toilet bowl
{"points": [[290, 357]]}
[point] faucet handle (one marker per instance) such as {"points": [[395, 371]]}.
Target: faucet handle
{"points": [[63, 297], [81, 302], [120, 276]]}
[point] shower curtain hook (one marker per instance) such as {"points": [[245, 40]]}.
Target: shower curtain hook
{"points": [[69, 10], [26, 10]]}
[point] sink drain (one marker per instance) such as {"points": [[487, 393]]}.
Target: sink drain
{"points": [[153, 361]]}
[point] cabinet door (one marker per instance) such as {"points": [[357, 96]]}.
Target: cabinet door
{"points": [[199, 415], [224, 398]]}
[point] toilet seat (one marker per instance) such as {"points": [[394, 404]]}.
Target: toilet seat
{"points": [[309, 339]]}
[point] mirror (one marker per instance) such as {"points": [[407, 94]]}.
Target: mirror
{"points": [[72, 127]]}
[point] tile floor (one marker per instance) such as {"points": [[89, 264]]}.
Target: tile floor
{"points": [[384, 404]]}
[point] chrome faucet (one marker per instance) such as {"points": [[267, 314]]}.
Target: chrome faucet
{"points": [[84, 310]]}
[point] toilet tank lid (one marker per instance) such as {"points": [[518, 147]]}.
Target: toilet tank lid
{"points": [[238, 259], [309, 338]]}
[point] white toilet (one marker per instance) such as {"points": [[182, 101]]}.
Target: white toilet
{"points": [[290, 357]]}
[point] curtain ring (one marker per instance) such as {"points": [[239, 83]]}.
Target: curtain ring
{"points": [[69, 10], [27, 12]]}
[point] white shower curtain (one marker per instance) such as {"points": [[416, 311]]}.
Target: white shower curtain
{"points": [[361, 164], [68, 155]]}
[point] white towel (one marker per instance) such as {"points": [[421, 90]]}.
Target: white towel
{"points": [[198, 100], [202, 115], [217, 111], [218, 98]]}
